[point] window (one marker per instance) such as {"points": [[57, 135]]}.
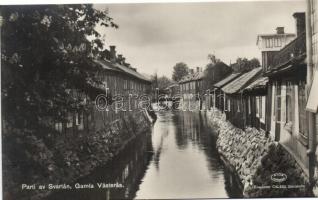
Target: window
{"points": [[278, 103], [125, 84], [79, 121], [289, 102], [263, 108], [279, 42], [249, 105], [302, 109], [69, 123], [257, 107], [229, 105], [59, 126], [260, 107], [269, 42]]}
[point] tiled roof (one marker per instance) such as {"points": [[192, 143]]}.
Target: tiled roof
{"points": [[226, 80], [120, 68], [240, 82], [258, 83], [192, 77]]}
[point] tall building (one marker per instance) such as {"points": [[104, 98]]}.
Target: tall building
{"points": [[312, 82], [270, 44]]}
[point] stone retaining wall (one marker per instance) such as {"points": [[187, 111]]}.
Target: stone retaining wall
{"points": [[35, 161], [257, 160]]}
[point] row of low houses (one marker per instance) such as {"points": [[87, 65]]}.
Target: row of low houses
{"points": [[117, 81], [281, 97], [276, 96], [195, 87]]}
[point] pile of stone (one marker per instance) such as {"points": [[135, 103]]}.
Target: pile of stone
{"points": [[255, 158]]}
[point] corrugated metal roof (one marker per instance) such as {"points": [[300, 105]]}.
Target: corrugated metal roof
{"points": [[226, 80], [240, 82], [192, 77], [258, 83], [120, 68]]}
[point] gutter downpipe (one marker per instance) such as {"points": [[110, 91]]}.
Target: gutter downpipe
{"points": [[311, 116]]}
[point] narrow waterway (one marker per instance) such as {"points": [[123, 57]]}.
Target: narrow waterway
{"points": [[178, 159]]}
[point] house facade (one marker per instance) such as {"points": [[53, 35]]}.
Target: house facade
{"points": [[234, 101], [197, 87], [191, 89], [287, 95], [120, 86], [312, 84], [217, 95]]}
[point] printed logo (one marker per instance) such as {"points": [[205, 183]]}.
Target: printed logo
{"points": [[279, 177]]}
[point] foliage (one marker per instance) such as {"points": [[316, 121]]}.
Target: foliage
{"points": [[244, 65], [213, 60], [164, 82], [45, 56], [161, 83], [180, 70], [215, 70]]}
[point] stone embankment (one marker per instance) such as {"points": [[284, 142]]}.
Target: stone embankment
{"points": [[30, 160], [262, 165]]}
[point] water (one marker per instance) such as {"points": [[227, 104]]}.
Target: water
{"points": [[178, 159]]}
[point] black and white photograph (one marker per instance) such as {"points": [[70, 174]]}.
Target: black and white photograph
{"points": [[159, 100]]}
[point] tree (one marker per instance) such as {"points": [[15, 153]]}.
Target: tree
{"points": [[245, 65], [213, 60], [215, 72], [179, 71], [161, 83], [45, 53]]}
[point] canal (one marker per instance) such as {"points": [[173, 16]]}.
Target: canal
{"points": [[177, 159]]}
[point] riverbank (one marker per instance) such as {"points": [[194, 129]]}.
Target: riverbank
{"points": [[263, 166], [66, 159]]}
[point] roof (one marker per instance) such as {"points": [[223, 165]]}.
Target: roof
{"points": [[192, 77], [274, 34], [131, 72], [106, 65], [240, 82], [120, 68], [172, 85], [258, 83], [226, 80]]}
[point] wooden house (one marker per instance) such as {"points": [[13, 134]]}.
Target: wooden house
{"points": [[287, 96], [233, 97], [216, 93], [192, 88], [255, 96], [312, 85], [120, 83], [198, 85]]}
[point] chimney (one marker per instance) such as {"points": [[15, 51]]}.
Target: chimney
{"points": [[198, 69], [191, 71], [120, 58], [300, 22], [105, 55], [280, 30], [112, 50]]}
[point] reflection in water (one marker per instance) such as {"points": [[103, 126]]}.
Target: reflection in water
{"points": [[189, 165], [177, 160]]}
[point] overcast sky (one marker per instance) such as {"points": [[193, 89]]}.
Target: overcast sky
{"points": [[154, 37]]}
